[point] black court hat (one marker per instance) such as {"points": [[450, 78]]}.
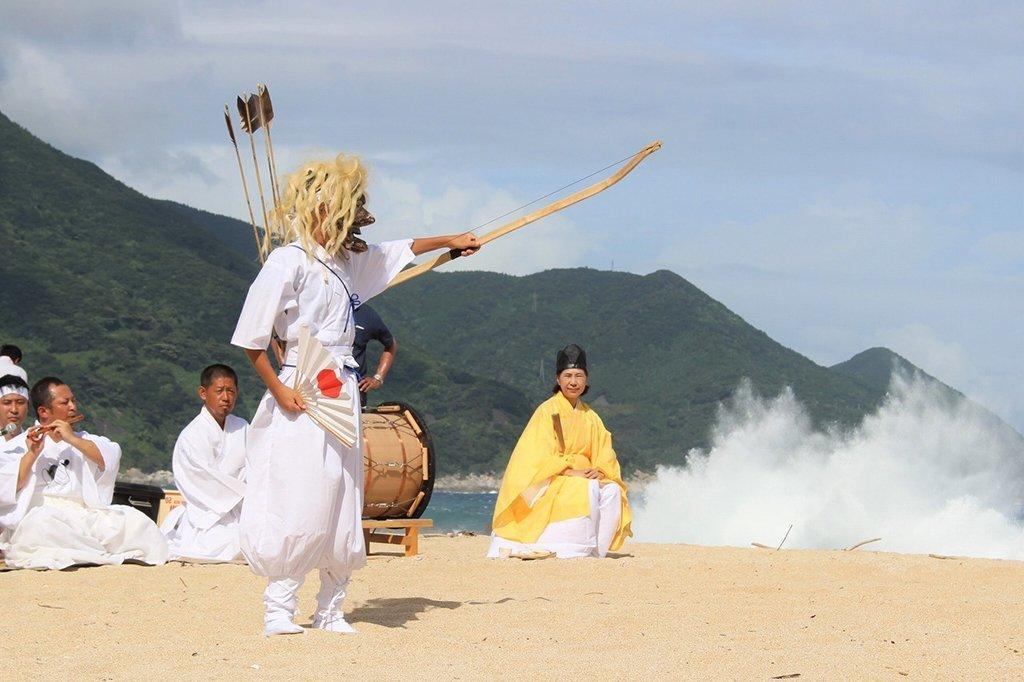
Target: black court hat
{"points": [[571, 357]]}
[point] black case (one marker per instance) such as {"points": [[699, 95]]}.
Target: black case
{"points": [[145, 498]]}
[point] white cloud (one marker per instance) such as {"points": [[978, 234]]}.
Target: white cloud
{"points": [[830, 172], [952, 363], [38, 92], [100, 24], [846, 232], [207, 177], [999, 251], [553, 242]]}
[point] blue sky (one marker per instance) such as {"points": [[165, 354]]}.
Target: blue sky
{"points": [[843, 175]]}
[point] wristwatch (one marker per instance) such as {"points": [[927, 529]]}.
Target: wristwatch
{"points": [[379, 378]]}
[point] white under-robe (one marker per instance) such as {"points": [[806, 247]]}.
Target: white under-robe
{"points": [[64, 515], [304, 488], [209, 472], [585, 536]]}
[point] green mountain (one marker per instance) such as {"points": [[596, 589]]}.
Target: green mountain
{"points": [[234, 234], [127, 298], [115, 293], [662, 353]]}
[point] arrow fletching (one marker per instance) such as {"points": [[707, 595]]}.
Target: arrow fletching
{"points": [[248, 112], [266, 106], [227, 121]]}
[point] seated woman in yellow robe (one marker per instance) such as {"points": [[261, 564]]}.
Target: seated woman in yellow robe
{"points": [[562, 491]]}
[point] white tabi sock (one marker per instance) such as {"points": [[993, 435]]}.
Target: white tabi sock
{"points": [[329, 615], [280, 599]]}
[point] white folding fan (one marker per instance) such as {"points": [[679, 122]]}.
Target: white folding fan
{"points": [[318, 379]]}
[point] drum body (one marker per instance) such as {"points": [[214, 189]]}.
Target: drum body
{"points": [[398, 462]]}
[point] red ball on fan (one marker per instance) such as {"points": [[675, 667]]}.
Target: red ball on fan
{"points": [[329, 383]]}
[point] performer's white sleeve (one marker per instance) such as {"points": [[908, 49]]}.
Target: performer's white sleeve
{"points": [[10, 465], [14, 504], [209, 492], [98, 489], [232, 461], [371, 270], [269, 295]]}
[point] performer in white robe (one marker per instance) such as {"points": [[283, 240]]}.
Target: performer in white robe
{"points": [[56, 489], [209, 472], [14, 401], [304, 487]]}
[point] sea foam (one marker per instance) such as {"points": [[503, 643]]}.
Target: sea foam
{"points": [[928, 472]]}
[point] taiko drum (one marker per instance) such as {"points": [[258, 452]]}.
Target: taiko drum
{"points": [[398, 459]]}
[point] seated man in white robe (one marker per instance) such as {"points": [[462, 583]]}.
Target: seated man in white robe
{"points": [[209, 471], [56, 489]]}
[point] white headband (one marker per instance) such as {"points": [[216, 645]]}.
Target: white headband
{"points": [[19, 390]]}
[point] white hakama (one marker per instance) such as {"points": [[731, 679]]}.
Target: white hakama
{"points": [[64, 515], [585, 536], [304, 488], [209, 472]]}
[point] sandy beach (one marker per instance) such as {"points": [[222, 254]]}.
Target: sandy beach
{"points": [[676, 611]]}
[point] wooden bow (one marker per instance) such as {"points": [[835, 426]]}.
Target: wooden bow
{"points": [[586, 193]]}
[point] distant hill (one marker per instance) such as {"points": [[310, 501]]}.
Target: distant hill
{"points": [[128, 297], [875, 367]]}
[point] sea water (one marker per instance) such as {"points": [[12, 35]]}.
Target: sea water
{"points": [[456, 511]]}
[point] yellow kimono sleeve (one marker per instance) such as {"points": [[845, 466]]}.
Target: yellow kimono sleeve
{"points": [[533, 463]]}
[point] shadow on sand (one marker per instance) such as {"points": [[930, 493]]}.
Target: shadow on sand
{"points": [[396, 612]]}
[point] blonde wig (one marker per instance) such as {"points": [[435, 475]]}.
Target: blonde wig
{"points": [[321, 196]]}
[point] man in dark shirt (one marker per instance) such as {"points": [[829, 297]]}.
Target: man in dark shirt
{"points": [[370, 327]]}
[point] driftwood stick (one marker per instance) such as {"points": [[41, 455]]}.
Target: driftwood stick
{"points": [[759, 545], [784, 538], [861, 544]]}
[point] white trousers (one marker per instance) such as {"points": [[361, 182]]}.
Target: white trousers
{"points": [[583, 536], [303, 494], [281, 598]]}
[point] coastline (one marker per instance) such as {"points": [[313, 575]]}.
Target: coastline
{"points": [[452, 483]]}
